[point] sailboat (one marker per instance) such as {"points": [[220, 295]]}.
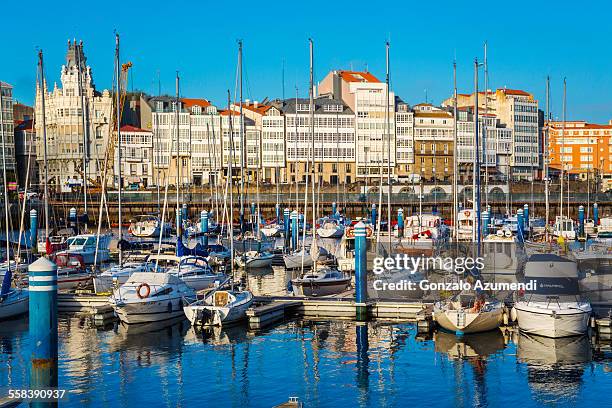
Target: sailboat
{"points": [[469, 312], [13, 301], [219, 308], [327, 281]]}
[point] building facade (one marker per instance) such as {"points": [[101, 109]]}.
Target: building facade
{"points": [[7, 142], [136, 157], [67, 139], [25, 154], [334, 140], [366, 96], [581, 149], [434, 134]]}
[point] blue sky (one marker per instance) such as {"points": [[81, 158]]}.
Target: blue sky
{"points": [[527, 41]]}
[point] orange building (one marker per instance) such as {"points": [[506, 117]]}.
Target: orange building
{"points": [[581, 148]]}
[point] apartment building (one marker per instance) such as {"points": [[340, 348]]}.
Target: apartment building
{"points": [[517, 110], [268, 118], [404, 139], [334, 140], [7, 142], [434, 133], [366, 96], [68, 140], [582, 149], [136, 157]]}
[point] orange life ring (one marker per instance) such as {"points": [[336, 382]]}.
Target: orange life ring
{"points": [[147, 293], [350, 232], [369, 232], [466, 213]]}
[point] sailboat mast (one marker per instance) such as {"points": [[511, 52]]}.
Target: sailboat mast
{"points": [[312, 134], [477, 161], [178, 157], [388, 136], [118, 122], [484, 134], [84, 120], [562, 153], [6, 200], [455, 170], [230, 227], [546, 139], [295, 163], [242, 141], [43, 88]]}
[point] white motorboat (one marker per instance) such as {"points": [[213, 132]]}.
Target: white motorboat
{"points": [[271, 230], [85, 245], [554, 309], [564, 227], [345, 253], [13, 301], [255, 260], [118, 275], [150, 297], [222, 307], [297, 259], [323, 282], [148, 226], [468, 314], [193, 270], [71, 272], [466, 224], [330, 228]]}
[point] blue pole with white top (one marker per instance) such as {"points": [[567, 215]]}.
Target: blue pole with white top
{"points": [[581, 220], [42, 276], [72, 217], [374, 217], [33, 230], [595, 215], [204, 227], [286, 226], [185, 213], [485, 223], [400, 222], [294, 229], [526, 216], [278, 213], [334, 209], [361, 277], [520, 225]]}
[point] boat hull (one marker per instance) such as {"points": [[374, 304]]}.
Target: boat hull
{"points": [[220, 315], [307, 288], [148, 311], [469, 322], [549, 323], [16, 304]]}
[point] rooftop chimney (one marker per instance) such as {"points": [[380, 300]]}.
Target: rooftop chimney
{"points": [[255, 103]]}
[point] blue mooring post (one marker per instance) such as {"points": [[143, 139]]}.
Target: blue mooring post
{"points": [[278, 213], [253, 208], [526, 217], [400, 222], [581, 220], [595, 215], [490, 216], [294, 229], [361, 277], [185, 213], [334, 209], [286, 221], [72, 217], [374, 215], [520, 225], [43, 327], [485, 223], [33, 230], [204, 227]]}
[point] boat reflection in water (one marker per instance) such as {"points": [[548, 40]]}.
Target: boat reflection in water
{"points": [[164, 335], [554, 366]]}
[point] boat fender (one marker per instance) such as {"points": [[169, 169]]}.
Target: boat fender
{"points": [[505, 317], [513, 314], [146, 293]]}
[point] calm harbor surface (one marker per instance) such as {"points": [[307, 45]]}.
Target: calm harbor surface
{"points": [[325, 364]]}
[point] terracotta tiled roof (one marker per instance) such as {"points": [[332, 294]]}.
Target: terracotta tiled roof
{"points": [[189, 102], [357, 76], [226, 112], [130, 128], [514, 92], [261, 109]]}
